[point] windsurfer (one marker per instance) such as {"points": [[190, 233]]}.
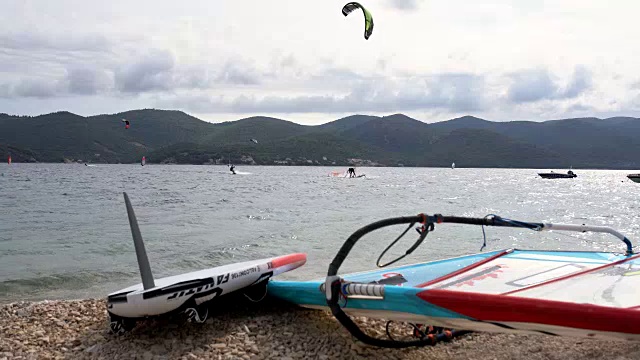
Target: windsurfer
{"points": [[232, 169], [351, 172]]}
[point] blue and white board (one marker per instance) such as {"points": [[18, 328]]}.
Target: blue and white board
{"points": [[584, 294]]}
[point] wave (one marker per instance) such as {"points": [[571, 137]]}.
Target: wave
{"points": [[77, 280]]}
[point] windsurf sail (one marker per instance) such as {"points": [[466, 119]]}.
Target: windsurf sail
{"points": [[144, 161], [579, 293], [453, 165], [9, 160]]}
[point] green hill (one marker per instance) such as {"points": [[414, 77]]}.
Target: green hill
{"points": [[175, 137]]}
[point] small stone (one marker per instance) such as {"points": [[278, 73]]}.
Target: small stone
{"points": [[75, 342], [158, 349], [191, 356], [219, 346], [92, 349]]}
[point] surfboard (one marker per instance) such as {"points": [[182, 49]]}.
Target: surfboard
{"points": [[190, 290], [590, 294], [186, 293], [579, 294]]}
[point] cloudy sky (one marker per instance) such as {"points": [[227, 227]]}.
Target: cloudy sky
{"points": [[304, 61]]}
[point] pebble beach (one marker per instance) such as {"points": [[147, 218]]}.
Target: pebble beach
{"points": [[78, 329]]}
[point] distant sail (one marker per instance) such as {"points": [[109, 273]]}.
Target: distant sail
{"points": [[453, 165], [144, 161], [9, 160]]}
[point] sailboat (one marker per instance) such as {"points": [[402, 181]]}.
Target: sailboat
{"points": [[453, 165], [144, 161], [9, 160]]}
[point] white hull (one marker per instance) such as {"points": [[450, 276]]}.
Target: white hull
{"points": [[195, 288]]}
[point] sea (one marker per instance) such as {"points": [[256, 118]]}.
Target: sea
{"points": [[64, 231]]}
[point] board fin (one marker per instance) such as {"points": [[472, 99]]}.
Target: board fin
{"points": [[141, 253]]}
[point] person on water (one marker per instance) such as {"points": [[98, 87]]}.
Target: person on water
{"points": [[232, 169], [351, 172]]}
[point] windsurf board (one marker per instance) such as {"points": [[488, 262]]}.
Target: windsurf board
{"points": [[579, 294], [190, 292]]}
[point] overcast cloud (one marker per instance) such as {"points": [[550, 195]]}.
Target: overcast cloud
{"points": [[221, 60]]}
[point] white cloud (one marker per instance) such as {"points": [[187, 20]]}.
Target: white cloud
{"points": [[538, 84], [405, 5], [501, 59]]}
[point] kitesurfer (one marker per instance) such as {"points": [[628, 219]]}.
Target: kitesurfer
{"points": [[232, 169]]}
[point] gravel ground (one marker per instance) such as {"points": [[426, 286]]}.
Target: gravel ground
{"points": [[79, 330]]}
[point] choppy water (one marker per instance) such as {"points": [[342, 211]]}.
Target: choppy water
{"points": [[64, 231]]}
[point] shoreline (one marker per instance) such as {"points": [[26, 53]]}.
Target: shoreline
{"points": [[337, 165], [78, 329]]}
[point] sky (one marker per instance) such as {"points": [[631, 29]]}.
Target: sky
{"points": [[305, 62]]}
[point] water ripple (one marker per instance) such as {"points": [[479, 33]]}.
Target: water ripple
{"points": [[64, 229]]}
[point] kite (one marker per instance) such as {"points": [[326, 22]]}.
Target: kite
{"points": [[368, 19]]}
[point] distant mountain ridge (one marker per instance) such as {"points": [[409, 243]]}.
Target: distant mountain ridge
{"points": [[169, 136]]}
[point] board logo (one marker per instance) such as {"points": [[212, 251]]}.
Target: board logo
{"points": [[221, 279], [245, 272]]}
